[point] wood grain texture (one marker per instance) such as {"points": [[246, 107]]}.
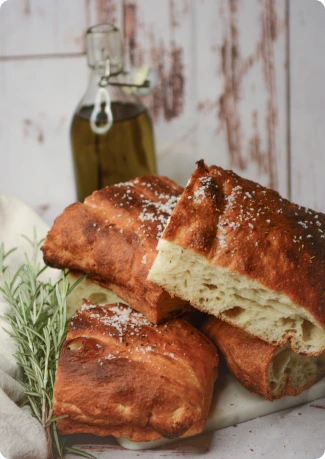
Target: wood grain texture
{"points": [[163, 38], [36, 163], [242, 88], [222, 93], [29, 27], [307, 103], [294, 433], [155, 37], [104, 11]]}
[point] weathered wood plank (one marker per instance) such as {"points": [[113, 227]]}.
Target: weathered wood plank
{"points": [[307, 103], [162, 36], [32, 27], [242, 88], [221, 95], [36, 163], [104, 11]]}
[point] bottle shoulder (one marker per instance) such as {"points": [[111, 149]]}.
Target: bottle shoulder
{"points": [[121, 111]]}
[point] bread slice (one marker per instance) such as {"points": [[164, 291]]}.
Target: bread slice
{"points": [[239, 251], [142, 381], [270, 371], [112, 237]]}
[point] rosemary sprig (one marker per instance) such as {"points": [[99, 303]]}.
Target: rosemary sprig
{"points": [[39, 325]]}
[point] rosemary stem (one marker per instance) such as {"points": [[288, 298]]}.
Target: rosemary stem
{"points": [[39, 325]]}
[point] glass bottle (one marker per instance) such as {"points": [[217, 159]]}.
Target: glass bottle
{"points": [[111, 132]]}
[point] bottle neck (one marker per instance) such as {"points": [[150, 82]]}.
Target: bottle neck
{"points": [[117, 94]]}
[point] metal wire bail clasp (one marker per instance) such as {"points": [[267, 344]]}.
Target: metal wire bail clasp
{"points": [[102, 97]]}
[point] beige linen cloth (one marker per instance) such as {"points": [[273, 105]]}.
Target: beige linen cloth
{"points": [[21, 435]]}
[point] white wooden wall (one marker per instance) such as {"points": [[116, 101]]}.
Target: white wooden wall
{"points": [[242, 86]]}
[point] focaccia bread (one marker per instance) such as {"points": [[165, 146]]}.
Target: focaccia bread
{"points": [[88, 290], [240, 252], [112, 237], [270, 371], [120, 375]]}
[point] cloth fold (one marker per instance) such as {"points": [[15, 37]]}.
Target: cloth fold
{"points": [[21, 435]]}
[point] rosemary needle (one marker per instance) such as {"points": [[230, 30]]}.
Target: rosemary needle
{"points": [[39, 324]]}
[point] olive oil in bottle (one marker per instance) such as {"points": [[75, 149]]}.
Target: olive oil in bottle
{"points": [[111, 136], [125, 151]]}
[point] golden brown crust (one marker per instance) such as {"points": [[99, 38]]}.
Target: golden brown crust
{"points": [[112, 237], [249, 359], [119, 375], [239, 225]]}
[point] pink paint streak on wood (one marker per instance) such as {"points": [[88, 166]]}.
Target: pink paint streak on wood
{"points": [[106, 11], [130, 31], [27, 7], [235, 66], [177, 10], [33, 130], [167, 99], [231, 67], [269, 33], [255, 146]]}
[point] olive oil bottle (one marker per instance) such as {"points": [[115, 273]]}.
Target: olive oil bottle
{"points": [[111, 131]]}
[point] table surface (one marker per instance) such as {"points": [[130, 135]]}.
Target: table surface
{"points": [[297, 433]]}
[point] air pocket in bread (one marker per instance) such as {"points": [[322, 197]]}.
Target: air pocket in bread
{"points": [[239, 251]]}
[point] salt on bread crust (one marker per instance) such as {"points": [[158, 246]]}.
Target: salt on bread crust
{"points": [[239, 251], [270, 371], [112, 237], [142, 381]]}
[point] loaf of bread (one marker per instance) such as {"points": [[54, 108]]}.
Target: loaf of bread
{"points": [[239, 251], [112, 237], [270, 371], [120, 375]]}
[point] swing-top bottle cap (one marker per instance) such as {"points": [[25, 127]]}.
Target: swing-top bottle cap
{"points": [[104, 42]]}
